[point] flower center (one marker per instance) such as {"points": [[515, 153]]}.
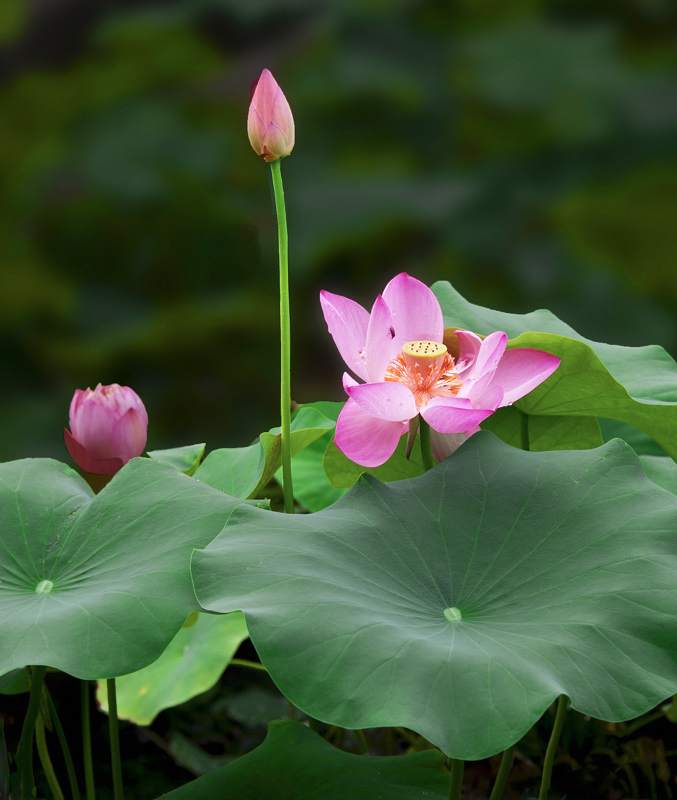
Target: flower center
{"points": [[427, 369]]}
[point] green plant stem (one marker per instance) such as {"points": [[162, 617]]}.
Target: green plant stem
{"points": [[502, 777], [90, 790], [362, 741], [426, 452], [524, 431], [118, 791], [24, 753], [285, 338], [562, 704], [242, 662], [456, 784], [45, 760], [314, 724], [70, 767]]}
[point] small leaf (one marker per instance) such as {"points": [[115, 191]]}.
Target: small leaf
{"points": [[192, 663], [185, 459]]}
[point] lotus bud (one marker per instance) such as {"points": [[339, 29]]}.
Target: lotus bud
{"points": [[270, 124], [107, 428]]}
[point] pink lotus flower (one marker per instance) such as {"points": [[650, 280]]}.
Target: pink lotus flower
{"points": [[397, 351], [108, 427], [270, 124]]}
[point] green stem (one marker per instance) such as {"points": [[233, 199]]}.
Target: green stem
{"points": [[118, 791], [426, 452], [456, 785], [362, 741], [562, 704], [45, 760], [285, 338], [90, 790], [242, 662], [502, 777], [24, 753], [70, 767], [524, 431], [314, 724]]}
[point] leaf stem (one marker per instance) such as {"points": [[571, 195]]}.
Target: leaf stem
{"points": [[70, 768], [242, 662], [503, 771], [362, 741], [524, 430], [90, 790], [118, 791], [24, 753], [426, 452], [45, 760], [562, 705], [285, 338], [456, 784]]}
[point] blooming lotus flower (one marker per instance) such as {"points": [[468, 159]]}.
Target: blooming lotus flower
{"points": [[270, 124], [108, 427], [398, 352]]}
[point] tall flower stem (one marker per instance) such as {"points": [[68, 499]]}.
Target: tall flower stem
{"points": [[524, 430], [90, 790], [24, 753], [456, 785], [116, 763], [502, 777], [562, 705], [285, 337], [426, 451]]}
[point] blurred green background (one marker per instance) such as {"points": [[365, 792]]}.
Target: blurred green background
{"points": [[525, 150]]}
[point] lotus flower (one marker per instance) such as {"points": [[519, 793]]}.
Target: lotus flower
{"points": [[108, 428], [270, 124], [398, 352]]}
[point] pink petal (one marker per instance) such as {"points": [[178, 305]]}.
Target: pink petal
{"points": [[444, 444], [364, 439], [380, 334], [92, 426], [348, 381], [256, 130], [388, 400], [128, 438], [521, 370], [276, 141], [469, 348], [263, 98], [87, 462], [417, 315], [347, 322], [453, 414], [491, 397]]}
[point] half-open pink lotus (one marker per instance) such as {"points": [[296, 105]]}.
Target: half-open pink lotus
{"points": [[108, 428], [398, 352]]}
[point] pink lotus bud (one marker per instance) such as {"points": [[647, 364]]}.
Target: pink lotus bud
{"points": [[270, 124], [108, 427]]}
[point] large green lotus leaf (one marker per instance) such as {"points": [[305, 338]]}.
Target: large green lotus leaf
{"points": [[293, 763], [460, 604], [192, 663], [636, 385], [245, 471], [98, 585]]}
